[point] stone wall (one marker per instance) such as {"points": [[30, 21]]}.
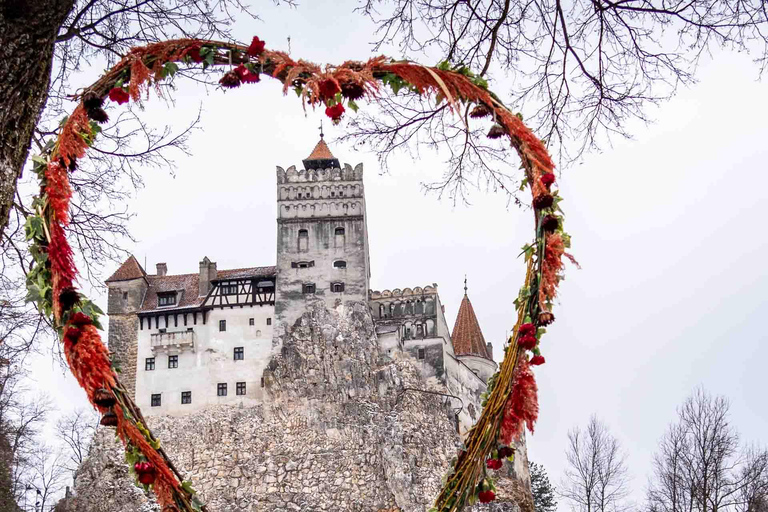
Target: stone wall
{"points": [[123, 344], [336, 433]]}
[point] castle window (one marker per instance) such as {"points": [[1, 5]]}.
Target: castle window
{"points": [[262, 382], [173, 361], [156, 401], [409, 308], [222, 325], [407, 331], [341, 193], [422, 353], [125, 295], [419, 330], [228, 288], [333, 193], [161, 331], [190, 329], [251, 321], [298, 196], [269, 321], [186, 397], [166, 299], [221, 389], [308, 288], [149, 364], [240, 388], [239, 353], [303, 240], [419, 307], [338, 240], [339, 264], [302, 264], [339, 231], [337, 287]]}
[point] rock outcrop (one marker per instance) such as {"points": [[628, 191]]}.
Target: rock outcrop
{"points": [[338, 433]]}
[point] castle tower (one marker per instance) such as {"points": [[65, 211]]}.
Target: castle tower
{"points": [[468, 342], [322, 238], [127, 288]]}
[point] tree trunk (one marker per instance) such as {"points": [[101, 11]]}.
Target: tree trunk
{"points": [[28, 30]]}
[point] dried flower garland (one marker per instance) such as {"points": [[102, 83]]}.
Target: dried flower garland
{"points": [[510, 403]]}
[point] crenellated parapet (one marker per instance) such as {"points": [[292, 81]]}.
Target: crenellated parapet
{"points": [[292, 175], [397, 293]]}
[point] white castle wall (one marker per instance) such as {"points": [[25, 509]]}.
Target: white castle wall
{"points": [[211, 362]]}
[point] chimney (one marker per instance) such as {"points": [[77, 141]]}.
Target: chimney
{"points": [[489, 348], [207, 274], [162, 269]]}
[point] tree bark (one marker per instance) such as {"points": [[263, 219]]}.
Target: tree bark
{"points": [[28, 31]]}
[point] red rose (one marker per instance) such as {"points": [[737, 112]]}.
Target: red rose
{"points": [[537, 360], [194, 53], [494, 463], [119, 95], [527, 342], [230, 80], [79, 319], [543, 201], [72, 334], [256, 48], [505, 452], [246, 75], [335, 112], [147, 478], [328, 89], [548, 179], [486, 496], [526, 329]]}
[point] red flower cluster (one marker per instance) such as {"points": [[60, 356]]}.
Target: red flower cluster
{"points": [[486, 496], [543, 201], [522, 407], [494, 463], [246, 75], [548, 179], [119, 95], [328, 89], [335, 112], [256, 48], [537, 360], [146, 472], [527, 342], [527, 329], [80, 319]]}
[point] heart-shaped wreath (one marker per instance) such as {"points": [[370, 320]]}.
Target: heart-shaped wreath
{"points": [[510, 403]]}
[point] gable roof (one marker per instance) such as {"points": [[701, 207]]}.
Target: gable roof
{"points": [[130, 269], [187, 286], [467, 337]]}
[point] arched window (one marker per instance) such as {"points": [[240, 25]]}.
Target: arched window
{"points": [[409, 308], [337, 287], [430, 327], [339, 264], [303, 240], [430, 309], [419, 307], [398, 309], [338, 240], [382, 311]]}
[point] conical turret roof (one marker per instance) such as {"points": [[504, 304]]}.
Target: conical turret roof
{"points": [[467, 337], [321, 157]]}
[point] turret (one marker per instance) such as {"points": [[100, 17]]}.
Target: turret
{"points": [[468, 342]]}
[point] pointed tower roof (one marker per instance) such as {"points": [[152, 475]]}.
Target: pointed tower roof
{"points": [[130, 269], [321, 157], [467, 337]]}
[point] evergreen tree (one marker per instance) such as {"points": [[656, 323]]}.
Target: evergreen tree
{"points": [[542, 490]]}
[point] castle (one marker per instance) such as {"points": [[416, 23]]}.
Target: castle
{"points": [[184, 342]]}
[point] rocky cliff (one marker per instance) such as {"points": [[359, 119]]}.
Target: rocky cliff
{"points": [[338, 433]]}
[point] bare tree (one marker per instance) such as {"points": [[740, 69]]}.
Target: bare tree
{"points": [[75, 430], [46, 476], [581, 69], [700, 467], [596, 479]]}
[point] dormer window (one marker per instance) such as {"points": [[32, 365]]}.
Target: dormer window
{"points": [[229, 288], [166, 299]]}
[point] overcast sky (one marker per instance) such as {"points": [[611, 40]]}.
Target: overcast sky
{"points": [[668, 228]]}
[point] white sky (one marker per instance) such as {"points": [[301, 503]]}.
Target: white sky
{"points": [[668, 228]]}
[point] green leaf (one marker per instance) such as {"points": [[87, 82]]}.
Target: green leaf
{"points": [[169, 69], [353, 106], [33, 228], [187, 486]]}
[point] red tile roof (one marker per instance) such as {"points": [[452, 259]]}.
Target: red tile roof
{"points": [[321, 152], [188, 286], [130, 269], [467, 337]]}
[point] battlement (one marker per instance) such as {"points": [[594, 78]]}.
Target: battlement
{"points": [[292, 175], [405, 292]]}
